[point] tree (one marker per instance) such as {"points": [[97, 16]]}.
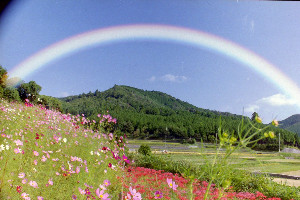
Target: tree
{"points": [[3, 76], [29, 91], [254, 115], [11, 94]]}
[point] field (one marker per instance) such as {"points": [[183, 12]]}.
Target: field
{"points": [[253, 161], [45, 154]]}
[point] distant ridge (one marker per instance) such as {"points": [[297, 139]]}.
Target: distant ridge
{"points": [[291, 123]]}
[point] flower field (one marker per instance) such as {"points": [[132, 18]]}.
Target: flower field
{"points": [[45, 154]]}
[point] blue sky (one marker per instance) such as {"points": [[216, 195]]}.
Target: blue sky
{"points": [[198, 76]]}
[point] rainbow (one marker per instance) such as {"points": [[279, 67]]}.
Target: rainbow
{"points": [[158, 32]]}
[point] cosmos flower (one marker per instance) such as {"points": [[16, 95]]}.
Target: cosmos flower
{"points": [[126, 159], [106, 183], [33, 184], [102, 195], [36, 153], [158, 195], [19, 189], [22, 175], [171, 184], [18, 142]]}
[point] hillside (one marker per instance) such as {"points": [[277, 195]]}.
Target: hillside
{"points": [[156, 115], [148, 102], [291, 123], [149, 113]]}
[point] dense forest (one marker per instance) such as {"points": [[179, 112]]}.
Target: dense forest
{"points": [[143, 114], [156, 115]]}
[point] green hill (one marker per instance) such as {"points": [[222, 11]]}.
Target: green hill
{"points": [[156, 115], [149, 113], [291, 123]]}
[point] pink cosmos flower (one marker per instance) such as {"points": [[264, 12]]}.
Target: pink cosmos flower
{"points": [[43, 159], [81, 191], [158, 195], [35, 162], [17, 150], [22, 175], [102, 195], [50, 181], [25, 196], [106, 183], [33, 184], [171, 184], [135, 195], [18, 142], [36, 153], [102, 187], [24, 181], [77, 169], [40, 198], [126, 159]]}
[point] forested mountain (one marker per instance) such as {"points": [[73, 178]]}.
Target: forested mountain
{"points": [[291, 123], [152, 114]]}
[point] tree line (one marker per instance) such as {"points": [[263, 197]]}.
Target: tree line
{"points": [[14, 89]]}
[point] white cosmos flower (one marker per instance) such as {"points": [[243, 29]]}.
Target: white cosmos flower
{"points": [[2, 148]]}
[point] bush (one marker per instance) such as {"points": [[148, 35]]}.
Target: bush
{"points": [[145, 150], [189, 141], [11, 94]]}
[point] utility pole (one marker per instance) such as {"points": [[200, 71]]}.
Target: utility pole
{"points": [[279, 141], [166, 137]]}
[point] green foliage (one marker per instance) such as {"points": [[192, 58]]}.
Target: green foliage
{"points": [[3, 77], [11, 94], [50, 102], [145, 150], [189, 141], [29, 91]]}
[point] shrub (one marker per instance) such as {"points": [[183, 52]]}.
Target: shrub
{"points": [[145, 150]]}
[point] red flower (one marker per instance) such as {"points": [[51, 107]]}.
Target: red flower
{"points": [[19, 189]]}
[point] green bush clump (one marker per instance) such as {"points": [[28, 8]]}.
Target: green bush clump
{"points": [[145, 150], [189, 141]]}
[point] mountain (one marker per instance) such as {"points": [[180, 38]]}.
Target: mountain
{"points": [[133, 99], [291, 123], [156, 115]]}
